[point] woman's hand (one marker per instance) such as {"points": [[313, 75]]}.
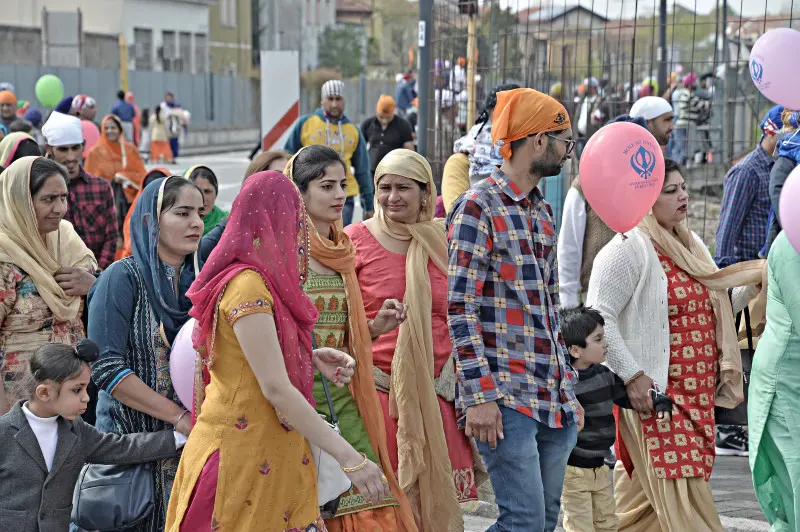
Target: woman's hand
{"points": [[75, 281], [639, 393], [369, 480], [184, 426], [336, 366], [390, 316]]}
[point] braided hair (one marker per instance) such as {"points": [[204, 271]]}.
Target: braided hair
{"points": [[491, 101]]}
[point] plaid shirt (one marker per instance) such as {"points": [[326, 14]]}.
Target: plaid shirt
{"points": [[91, 210], [503, 304], [745, 210]]}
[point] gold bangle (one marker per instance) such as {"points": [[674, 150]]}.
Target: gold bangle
{"points": [[359, 467], [180, 417]]}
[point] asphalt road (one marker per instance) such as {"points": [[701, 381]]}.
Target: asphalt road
{"points": [[731, 481]]}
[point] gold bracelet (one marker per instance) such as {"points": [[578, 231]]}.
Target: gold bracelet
{"points": [[359, 467], [180, 417]]}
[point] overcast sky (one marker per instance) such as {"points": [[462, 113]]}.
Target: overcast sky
{"points": [[611, 8]]}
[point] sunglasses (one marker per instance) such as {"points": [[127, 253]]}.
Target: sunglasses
{"points": [[570, 142]]}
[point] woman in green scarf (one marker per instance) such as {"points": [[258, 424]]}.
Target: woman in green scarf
{"points": [[206, 181]]}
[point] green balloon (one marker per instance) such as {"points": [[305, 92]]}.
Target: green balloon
{"points": [[49, 90]]}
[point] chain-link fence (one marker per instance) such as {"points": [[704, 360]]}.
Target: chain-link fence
{"points": [[600, 56]]}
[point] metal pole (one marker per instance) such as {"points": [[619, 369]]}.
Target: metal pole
{"points": [[662, 47], [727, 148], [491, 82], [471, 69], [424, 43]]}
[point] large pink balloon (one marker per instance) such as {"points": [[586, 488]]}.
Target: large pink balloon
{"points": [[789, 211], [182, 360], [773, 66], [90, 136], [621, 173]]}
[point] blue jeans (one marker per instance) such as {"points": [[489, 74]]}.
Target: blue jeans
{"points": [[527, 472], [680, 145], [347, 212]]}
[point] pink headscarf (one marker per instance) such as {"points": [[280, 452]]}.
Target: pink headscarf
{"points": [[267, 232]]}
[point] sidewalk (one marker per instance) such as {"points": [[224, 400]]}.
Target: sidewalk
{"points": [[733, 495]]}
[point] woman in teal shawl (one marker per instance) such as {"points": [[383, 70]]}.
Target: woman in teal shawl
{"points": [[206, 181], [773, 408]]}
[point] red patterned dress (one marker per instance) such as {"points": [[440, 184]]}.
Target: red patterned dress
{"points": [[684, 447]]}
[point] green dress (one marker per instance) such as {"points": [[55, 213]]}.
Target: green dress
{"points": [[328, 294], [212, 218], [773, 408]]}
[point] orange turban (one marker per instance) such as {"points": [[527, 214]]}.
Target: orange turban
{"points": [[8, 97], [385, 105], [520, 113]]}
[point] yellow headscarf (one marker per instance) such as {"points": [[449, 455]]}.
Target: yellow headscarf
{"points": [[9, 145], [423, 460], [41, 258]]}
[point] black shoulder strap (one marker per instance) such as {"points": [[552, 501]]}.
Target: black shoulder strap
{"points": [[334, 417]]}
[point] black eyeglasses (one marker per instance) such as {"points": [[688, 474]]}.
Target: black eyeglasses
{"points": [[570, 142]]}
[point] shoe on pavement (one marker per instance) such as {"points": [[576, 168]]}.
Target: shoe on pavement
{"points": [[731, 440]]}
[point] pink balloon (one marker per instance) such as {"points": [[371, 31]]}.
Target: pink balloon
{"points": [[182, 360], [90, 136], [789, 212], [621, 173], [773, 68]]}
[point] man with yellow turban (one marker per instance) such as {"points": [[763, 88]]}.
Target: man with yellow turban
{"points": [[515, 384], [386, 131], [8, 107]]}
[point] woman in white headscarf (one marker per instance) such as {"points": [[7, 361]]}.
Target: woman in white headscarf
{"points": [[36, 245]]}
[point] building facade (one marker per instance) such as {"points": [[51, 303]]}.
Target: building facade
{"points": [[231, 34]]}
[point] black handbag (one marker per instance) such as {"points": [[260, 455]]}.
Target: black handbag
{"points": [[113, 497], [738, 415]]}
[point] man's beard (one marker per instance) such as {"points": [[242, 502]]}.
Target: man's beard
{"points": [[547, 166]]}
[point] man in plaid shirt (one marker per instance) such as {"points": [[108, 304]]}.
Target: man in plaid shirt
{"points": [[515, 391], [91, 201]]}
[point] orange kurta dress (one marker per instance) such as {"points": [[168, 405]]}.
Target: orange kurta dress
{"points": [[108, 159], [266, 479]]}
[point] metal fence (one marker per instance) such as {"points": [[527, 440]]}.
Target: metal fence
{"points": [[630, 48], [212, 100]]}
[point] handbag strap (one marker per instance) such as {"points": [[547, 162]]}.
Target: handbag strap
{"points": [[746, 313], [334, 417]]}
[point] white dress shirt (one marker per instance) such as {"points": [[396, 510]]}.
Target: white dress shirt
{"points": [[570, 248]]}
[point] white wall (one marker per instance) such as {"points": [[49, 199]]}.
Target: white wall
{"points": [[162, 15], [99, 16]]}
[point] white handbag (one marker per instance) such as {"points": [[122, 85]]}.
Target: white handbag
{"points": [[331, 480]]}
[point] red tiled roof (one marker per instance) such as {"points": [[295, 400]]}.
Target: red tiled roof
{"points": [[353, 7]]}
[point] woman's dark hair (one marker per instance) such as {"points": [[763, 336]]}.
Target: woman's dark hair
{"points": [[59, 362], [20, 125], [157, 113], [489, 104], [310, 164], [151, 176], [206, 173], [672, 166], [173, 189], [26, 148], [41, 170], [145, 117]]}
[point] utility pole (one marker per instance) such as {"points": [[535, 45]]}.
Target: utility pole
{"points": [[472, 67], [424, 43], [662, 47]]}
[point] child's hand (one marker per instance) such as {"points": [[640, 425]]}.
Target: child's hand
{"points": [[664, 417], [581, 418]]}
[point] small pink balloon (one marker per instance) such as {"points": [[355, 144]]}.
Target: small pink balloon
{"points": [[773, 68], [621, 174], [182, 360], [789, 211], [90, 136]]}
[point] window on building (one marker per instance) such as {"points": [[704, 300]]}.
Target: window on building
{"points": [[200, 52], [169, 50], [185, 56], [228, 13], [143, 49]]}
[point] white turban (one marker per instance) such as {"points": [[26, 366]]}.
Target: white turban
{"points": [[650, 107], [62, 130]]}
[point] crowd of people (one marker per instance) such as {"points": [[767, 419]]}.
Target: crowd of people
{"points": [[442, 342]]}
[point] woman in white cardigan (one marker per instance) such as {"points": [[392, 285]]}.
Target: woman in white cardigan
{"points": [[670, 326]]}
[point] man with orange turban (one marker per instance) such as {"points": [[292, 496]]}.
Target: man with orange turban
{"points": [[386, 131], [8, 107], [516, 392]]}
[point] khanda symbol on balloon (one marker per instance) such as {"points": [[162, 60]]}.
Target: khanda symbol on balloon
{"points": [[643, 162], [756, 70]]}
